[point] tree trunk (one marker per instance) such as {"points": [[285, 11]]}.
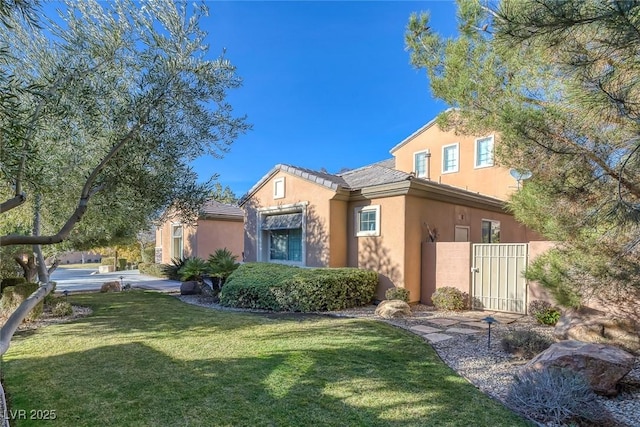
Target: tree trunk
{"points": [[17, 317], [29, 268]]}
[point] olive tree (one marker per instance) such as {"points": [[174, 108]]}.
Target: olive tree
{"points": [[102, 109]]}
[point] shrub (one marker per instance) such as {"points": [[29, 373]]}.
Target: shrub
{"points": [[525, 343], [11, 281], [108, 260], [62, 309], [51, 297], [193, 269], [222, 263], [285, 288], [156, 270], [450, 298], [397, 293], [13, 296], [536, 306], [556, 395], [122, 264], [549, 316], [171, 270]]}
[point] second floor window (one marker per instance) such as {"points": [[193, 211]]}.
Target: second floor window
{"points": [[484, 152], [450, 158], [421, 164]]}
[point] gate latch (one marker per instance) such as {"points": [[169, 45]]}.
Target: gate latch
{"points": [[475, 270]]}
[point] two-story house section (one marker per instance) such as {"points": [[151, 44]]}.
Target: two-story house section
{"points": [[447, 158]]}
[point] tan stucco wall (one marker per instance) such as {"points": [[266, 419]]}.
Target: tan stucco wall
{"points": [[385, 253], [492, 181], [338, 256], [297, 190], [204, 239]]}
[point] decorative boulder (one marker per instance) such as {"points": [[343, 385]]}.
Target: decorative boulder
{"points": [[190, 288], [110, 286], [601, 365], [394, 308], [592, 326]]}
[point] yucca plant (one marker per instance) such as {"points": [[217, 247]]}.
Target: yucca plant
{"points": [[193, 269], [172, 270]]}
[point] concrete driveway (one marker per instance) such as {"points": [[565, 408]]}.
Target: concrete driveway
{"points": [[88, 279]]}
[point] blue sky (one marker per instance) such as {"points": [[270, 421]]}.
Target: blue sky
{"points": [[326, 84]]}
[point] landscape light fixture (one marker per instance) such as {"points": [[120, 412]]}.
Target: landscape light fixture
{"points": [[490, 320]]}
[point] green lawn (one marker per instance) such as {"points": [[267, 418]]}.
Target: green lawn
{"points": [[146, 359]]}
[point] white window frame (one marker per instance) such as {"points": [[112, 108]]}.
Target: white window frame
{"points": [[475, 152], [276, 193], [427, 155], [173, 238], [457, 151], [358, 211]]}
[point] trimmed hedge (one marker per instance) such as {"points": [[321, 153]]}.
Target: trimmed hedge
{"points": [[108, 260], [283, 288], [152, 269], [13, 296], [11, 281]]}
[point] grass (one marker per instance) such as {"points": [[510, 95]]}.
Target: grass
{"points": [[146, 359]]}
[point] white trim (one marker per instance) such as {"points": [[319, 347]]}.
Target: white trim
{"points": [[357, 211], [276, 194], [475, 152], [457, 168], [426, 163]]}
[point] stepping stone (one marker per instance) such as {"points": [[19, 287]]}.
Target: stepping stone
{"points": [[434, 338], [465, 331], [443, 322], [469, 318], [425, 329], [476, 325]]}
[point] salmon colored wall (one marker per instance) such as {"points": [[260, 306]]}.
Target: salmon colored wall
{"points": [[492, 181], [338, 256], [297, 190], [204, 239], [217, 234], [384, 253], [445, 264]]}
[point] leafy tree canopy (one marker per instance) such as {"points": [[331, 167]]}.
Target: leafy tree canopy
{"points": [[101, 112], [560, 83]]}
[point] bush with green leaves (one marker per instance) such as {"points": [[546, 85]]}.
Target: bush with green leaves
{"points": [[62, 309], [222, 263], [560, 396], [152, 269], [450, 298], [524, 343], [11, 281], [548, 316], [397, 293], [285, 288], [122, 264], [171, 270], [13, 296], [193, 269], [538, 306]]}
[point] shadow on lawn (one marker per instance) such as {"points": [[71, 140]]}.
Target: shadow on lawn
{"points": [[135, 384]]}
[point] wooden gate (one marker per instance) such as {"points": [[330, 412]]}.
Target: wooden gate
{"points": [[497, 277]]}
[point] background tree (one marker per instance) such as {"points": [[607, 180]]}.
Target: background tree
{"points": [[224, 194], [101, 113], [559, 82]]}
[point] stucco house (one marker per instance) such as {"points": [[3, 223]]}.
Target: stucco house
{"points": [[218, 226], [438, 187]]}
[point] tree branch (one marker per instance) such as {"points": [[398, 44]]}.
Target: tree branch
{"points": [[11, 326], [14, 202]]}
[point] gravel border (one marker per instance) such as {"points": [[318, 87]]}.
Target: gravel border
{"points": [[491, 370]]}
